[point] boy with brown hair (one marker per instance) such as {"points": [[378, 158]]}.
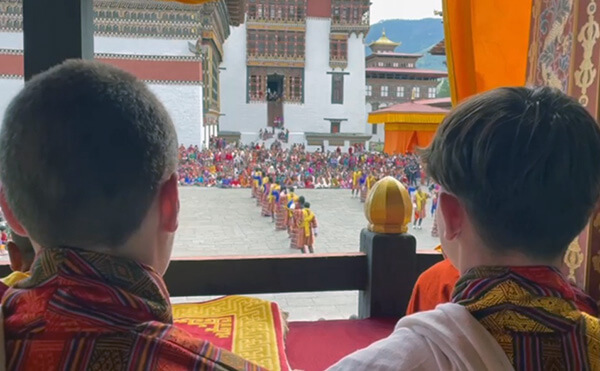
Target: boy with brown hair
{"points": [[520, 176], [96, 193]]}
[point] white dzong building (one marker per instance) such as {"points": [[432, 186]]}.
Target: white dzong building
{"points": [[175, 48], [297, 65]]}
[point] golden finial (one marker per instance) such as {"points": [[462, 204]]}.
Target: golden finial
{"points": [[388, 207]]}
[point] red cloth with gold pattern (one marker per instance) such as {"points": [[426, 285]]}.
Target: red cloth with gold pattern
{"points": [[89, 311]]}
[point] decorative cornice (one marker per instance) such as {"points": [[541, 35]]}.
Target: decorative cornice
{"points": [[11, 51], [171, 82], [11, 77], [166, 58]]}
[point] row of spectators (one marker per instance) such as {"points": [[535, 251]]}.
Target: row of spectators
{"points": [[231, 166]]}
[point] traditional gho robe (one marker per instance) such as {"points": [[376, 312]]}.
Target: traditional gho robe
{"points": [[82, 310], [500, 318]]}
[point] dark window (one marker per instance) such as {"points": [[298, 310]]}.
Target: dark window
{"points": [[335, 127], [374, 129], [337, 88]]}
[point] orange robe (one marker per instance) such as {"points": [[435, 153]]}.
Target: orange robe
{"points": [[433, 287]]}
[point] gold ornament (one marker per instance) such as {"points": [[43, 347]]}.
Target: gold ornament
{"points": [[388, 207], [574, 258], [588, 35]]}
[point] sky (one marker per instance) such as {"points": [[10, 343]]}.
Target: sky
{"points": [[403, 9]]}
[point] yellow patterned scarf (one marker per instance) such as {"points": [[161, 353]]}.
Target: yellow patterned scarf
{"points": [[535, 315]]}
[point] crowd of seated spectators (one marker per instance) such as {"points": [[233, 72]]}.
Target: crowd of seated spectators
{"points": [[231, 166]]}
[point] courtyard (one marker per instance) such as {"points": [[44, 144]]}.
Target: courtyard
{"points": [[227, 222]]}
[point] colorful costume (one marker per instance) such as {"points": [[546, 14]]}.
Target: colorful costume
{"points": [[273, 198], [533, 314], [292, 199], [90, 311], [281, 212], [295, 229], [264, 203], [421, 202], [356, 179], [307, 226], [363, 188]]}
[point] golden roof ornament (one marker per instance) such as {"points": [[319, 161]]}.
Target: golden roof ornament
{"points": [[385, 41], [388, 207]]}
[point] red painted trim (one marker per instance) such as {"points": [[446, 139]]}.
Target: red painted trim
{"points": [[159, 70], [318, 8], [188, 71], [11, 64]]}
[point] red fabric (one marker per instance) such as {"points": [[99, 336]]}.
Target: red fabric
{"points": [[81, 310], [318, 345]]}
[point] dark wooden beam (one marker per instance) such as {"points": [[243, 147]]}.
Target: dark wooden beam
{"points": [[270, 274], [54, 31]]}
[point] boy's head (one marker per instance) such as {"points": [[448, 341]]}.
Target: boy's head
{"points": [[307, 205], [88, 159], [20, 253], [520, 175]]}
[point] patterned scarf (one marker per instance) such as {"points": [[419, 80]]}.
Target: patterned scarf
{"points": [[531, 312]]}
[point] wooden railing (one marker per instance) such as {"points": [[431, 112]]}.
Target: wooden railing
{"points": [[384, 273]]}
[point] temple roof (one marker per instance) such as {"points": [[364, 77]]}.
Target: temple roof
{"points": [[412, 107], [384, 41], [439, 48], [409, 71]]}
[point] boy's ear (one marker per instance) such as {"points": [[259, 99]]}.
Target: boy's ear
{"points": [[12, 221], [14, 255]]}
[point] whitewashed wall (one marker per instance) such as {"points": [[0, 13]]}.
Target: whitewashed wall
{"points": [[117, 45], [184, 104], [8, 89], [142, 46], [249, 118]]}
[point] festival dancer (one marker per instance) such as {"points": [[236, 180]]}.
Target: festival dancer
{"points": [[420, 207], [274, 199], [281, 210], [291, 201], [355, 182], [363, 187], [295, 222], [308, 230], [265, 210]]}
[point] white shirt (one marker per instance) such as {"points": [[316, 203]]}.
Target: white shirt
{"points": [[446, 338]]}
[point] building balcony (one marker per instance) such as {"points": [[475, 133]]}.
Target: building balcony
{"points": [[270, 60], [338, 62], [256, 21]]}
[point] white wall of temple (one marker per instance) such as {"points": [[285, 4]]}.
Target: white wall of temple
{"points": [[8, 89], [116, 45], [380, 136], [184, 104], [142, 46], [249, 118], [11, 40]]}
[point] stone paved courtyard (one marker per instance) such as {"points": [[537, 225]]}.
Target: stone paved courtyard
{"points": [[227, 222]]}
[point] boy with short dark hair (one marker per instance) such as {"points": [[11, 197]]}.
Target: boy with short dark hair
{"points": [[96, 193], [520, 176]]}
